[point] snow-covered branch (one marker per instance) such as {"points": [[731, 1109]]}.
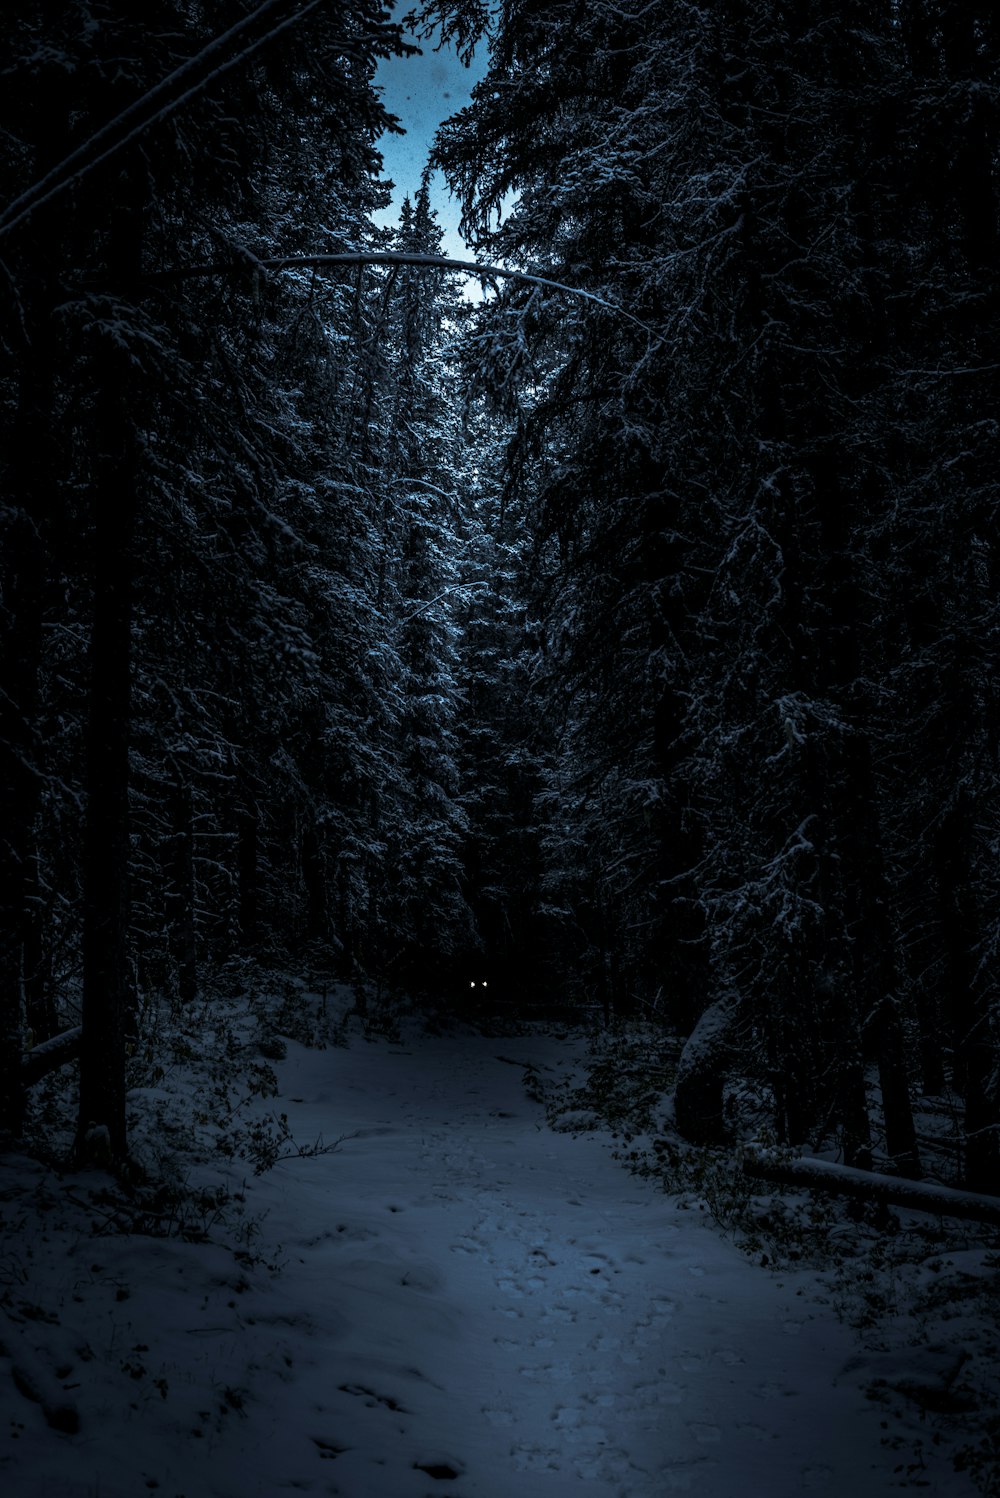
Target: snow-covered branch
{"points": [[48, 1055], [402, 257], [842, 1180]]}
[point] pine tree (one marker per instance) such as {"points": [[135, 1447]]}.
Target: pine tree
{"points": [[143, 377]]}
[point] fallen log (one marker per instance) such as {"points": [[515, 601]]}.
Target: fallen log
{"points": [[864, 1185], [49, 1055]]}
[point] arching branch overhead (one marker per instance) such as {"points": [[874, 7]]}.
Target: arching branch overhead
{"points": [[397, 257]]}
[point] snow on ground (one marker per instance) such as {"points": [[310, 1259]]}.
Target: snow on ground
{"points": [[456, 1300]]}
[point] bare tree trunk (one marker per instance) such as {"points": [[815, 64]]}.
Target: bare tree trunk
{"points": [[106, 978], [314, 879], [900, 1130], [39, 1006], [975, 1054], [24, 566], [107, 985], [247, 857], [181, 897]]}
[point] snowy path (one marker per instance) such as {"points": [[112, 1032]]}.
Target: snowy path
{"points": [[517, 1315], [469, 1304]]}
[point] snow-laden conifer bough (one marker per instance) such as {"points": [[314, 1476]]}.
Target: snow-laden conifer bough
{"points": [[261, 266]]}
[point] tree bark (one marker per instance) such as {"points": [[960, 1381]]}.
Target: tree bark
{"points": [[24, 568], [39, 1004], [181, 896], [247, 850], [106, 978], [314, 879], [107, 986], [900, 1130], [975, 1056]]}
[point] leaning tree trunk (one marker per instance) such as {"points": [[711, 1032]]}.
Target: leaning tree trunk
{"points": [[701, 1076]]}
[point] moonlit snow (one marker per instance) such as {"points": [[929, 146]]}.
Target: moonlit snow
{"points": [[456, 1300]]}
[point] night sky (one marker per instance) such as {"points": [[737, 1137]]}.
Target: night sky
{"points": [[423, 91]]}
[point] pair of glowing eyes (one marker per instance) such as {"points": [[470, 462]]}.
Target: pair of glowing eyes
{"points": [[484, 984]]}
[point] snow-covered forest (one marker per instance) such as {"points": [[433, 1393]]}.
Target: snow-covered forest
{"points": [[625, 640]]}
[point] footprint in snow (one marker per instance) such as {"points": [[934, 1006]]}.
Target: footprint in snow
{"points": [[534, 1459], [687, 1476], [602, 1399], [443, 1469], [421, 1277], [615, 1465], [562, 1314], [568, 1419], [540, 1253], [816, 1478], [756, 1432], [351, 1234], [328, 1450], [372, 1399], [543, 1373], [650, 1396], [499, 1417]]}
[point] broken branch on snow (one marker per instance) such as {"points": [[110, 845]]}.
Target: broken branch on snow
{"points": [[843, 1180]]}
